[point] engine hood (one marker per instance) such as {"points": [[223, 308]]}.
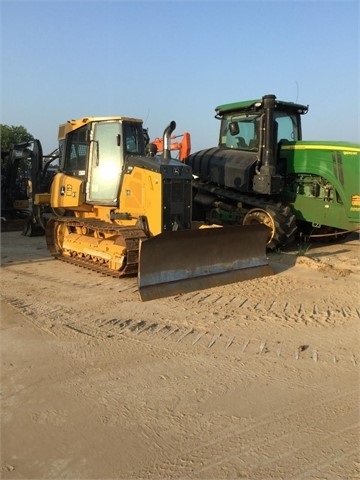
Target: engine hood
{"points": [[224, 166]]}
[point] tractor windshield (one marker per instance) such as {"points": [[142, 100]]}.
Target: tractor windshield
{"points": [[242, 131]]}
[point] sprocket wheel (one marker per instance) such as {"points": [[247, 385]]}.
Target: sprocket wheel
{"points": [[60, 233]]}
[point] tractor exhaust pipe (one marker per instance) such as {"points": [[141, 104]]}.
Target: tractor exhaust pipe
{"points": [[267, 181], [268, 163], [166, 139]]}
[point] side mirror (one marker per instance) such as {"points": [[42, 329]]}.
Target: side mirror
{"points": [[234, 128], [151, 149]]}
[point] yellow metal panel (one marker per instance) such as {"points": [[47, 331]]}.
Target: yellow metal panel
{"points": [[42, 199], [67, 191], [71, 125], [141, 194], [343, 148]]}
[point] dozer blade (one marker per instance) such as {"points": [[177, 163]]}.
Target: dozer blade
{"points": [[186, 260]]}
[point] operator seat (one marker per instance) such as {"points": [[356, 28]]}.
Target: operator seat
{"points": [[241, 142], [254, 144]]}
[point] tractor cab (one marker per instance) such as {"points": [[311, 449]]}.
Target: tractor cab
{"points": [[243, 124]]}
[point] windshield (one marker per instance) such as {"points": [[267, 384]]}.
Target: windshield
{"points": [[242, 131]]}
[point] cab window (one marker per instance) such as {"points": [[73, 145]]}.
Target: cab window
{"points": [[76, 152], [240, 132], [287, 127], [133, 138]]}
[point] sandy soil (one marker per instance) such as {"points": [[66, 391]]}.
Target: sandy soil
{"points": [[255, 380]]}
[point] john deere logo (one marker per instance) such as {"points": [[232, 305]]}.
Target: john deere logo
{"points": [[355, 200]]}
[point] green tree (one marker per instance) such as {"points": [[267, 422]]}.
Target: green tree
{"points": [[11, 135]]}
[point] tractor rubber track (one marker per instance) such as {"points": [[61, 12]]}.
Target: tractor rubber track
{"points": [[130, 235], [285, 220]]}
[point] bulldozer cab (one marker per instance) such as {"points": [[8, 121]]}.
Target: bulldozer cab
{"points": [[95, 153]]}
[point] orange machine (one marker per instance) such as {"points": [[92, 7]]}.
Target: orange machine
{"points": [[183, 145]]}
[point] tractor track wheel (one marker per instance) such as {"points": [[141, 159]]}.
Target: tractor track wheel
{"points": [[280, 221]]}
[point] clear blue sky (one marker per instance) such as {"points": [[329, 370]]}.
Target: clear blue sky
{"points": [[178, 60]]}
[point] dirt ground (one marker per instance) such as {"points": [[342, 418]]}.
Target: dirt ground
{"points": [[255, 380]]}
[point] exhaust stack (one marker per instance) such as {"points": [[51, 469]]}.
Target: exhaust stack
{"points": [[166, 138], [267, 180]]}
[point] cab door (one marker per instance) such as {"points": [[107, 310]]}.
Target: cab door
{"points": [[106, 163]]}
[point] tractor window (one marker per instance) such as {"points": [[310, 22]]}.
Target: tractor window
{"points": [[76, 152], [287, 127], [240, 132]]}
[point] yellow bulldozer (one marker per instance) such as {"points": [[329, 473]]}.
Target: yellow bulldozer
{"points": [[117, 207]]}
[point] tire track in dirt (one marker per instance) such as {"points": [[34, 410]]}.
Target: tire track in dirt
{"points": [[219, 319], [246, 306], [61, 274], [291, 455], [336, 460], [267, 434], [266, 299], [52, 318]]}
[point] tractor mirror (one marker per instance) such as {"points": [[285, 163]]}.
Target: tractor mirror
{"points": [[234, 128]]}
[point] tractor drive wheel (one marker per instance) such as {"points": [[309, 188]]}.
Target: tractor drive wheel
{"points": [[258, 215], [280, 221]]}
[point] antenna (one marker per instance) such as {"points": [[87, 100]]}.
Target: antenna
{"points": [[297, 91], [147, 116]]}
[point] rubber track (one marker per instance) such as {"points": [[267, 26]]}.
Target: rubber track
{"points": [[130, 235], [253, 201], [285, 220]]}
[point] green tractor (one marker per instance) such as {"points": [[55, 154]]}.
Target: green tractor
{"points": [[263, 172]]}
